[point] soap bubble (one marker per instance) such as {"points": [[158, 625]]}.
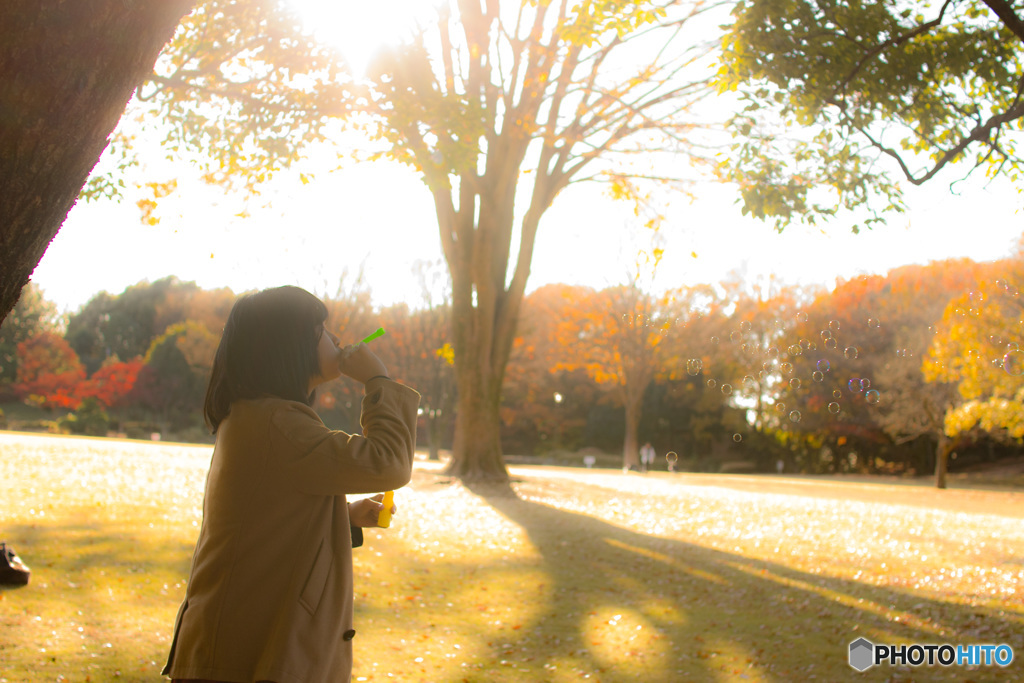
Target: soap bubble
{"points": [[727, 389], [780, 407], [714, 340], [851, 352], [711, 384], [786, 368], [854, 385], [749, 382], [824, 365], [773, 352], [672, 457], [837, 394], [745, 326], [873, 323], [794, 383], [795, 416], [864, 383], [737, 437], [872, 396], [833, 407], [833, 325], [1013, 363], [831, 343], [801, 316], [693, 366], [817, 375], [826, 334], [796, 350]]}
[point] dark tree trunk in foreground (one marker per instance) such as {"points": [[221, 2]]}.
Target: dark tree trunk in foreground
{"points": [[68, 70]]}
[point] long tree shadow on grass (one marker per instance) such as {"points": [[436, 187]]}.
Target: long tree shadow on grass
{"points": [[717, 615]]}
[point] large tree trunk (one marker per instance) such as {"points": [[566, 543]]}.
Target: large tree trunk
{"points": [[476, 451], [484, 318], [69, 69]]}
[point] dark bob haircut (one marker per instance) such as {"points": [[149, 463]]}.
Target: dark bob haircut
{"points": [[269, 348]]}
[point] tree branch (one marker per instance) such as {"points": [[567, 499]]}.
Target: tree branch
{"points": [[980, 133], [881, 47], [1005, 12]]}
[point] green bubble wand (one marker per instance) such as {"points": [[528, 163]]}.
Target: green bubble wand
{"points": [[379, 333]]}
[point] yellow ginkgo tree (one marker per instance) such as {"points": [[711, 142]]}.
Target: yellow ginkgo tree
{"points": [[978, 348]]}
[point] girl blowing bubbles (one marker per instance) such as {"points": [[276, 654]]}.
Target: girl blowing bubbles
{"points": [[269, 596]]}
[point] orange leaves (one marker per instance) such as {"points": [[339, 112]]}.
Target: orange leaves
{"points": [[617, 335], [112, 383], [49, 372]]}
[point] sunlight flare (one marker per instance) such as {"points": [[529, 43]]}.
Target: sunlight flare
{"points": [[361, 30]]}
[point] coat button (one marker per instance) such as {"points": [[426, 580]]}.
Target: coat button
{"points": [[349, 634]]}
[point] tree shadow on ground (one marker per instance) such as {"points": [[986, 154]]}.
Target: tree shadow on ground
{"points": [[721, 616]]}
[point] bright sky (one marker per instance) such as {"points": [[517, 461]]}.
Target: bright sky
{"points": [[381, 217]]}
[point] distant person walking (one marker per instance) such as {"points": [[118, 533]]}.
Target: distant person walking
{"points": [[269, 596], [647, 456]]}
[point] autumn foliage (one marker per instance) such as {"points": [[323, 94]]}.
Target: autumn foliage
{"points": [[49, 372], [903, 372], [112, 384]]}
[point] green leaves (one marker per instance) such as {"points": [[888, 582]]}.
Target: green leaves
{"points": [[907, 91]]}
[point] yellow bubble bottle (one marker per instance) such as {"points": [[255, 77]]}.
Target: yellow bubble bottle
{"points": [[384, 516]]}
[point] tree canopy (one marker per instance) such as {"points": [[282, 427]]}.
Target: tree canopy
{"points": [[498, 106], [855, 97]]}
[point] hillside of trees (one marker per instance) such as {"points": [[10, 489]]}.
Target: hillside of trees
{"points": [[880, 374]]}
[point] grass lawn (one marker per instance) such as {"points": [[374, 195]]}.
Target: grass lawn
{"points": [[583, 575]]}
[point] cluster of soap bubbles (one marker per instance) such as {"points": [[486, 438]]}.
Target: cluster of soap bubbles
{"points": [[780, 369], [778, 365], [782, 366]]}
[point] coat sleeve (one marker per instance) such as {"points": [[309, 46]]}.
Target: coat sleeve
{"points": [[321, 461]]}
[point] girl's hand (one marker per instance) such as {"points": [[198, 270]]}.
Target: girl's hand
{"points": [[360, 363], [364, 512]]}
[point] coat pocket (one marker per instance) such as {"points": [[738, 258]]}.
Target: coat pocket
{"points": [[313, 590]]}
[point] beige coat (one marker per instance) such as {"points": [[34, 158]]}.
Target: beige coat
{"points": [[269, 595]]}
